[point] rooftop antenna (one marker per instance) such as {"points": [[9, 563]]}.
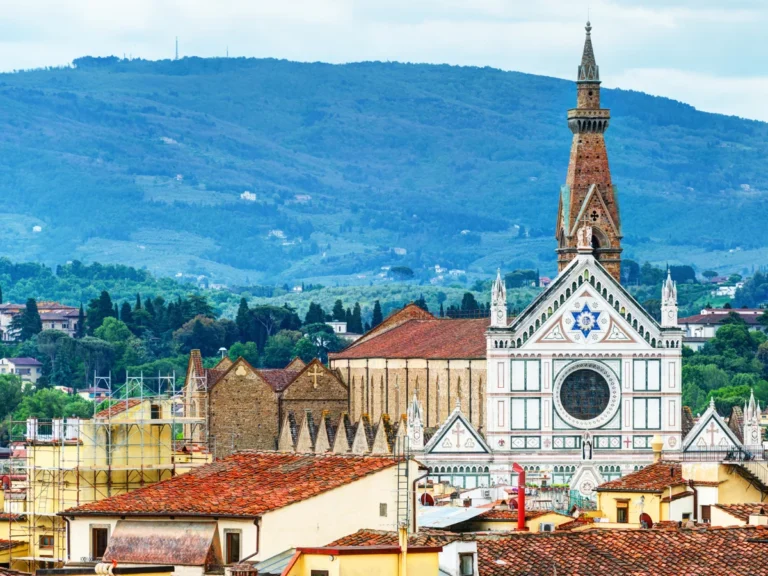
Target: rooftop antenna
{"points": [[177, 48]]}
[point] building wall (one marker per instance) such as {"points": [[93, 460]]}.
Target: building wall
{"points": [[722, 518], [329, 516], [315, 394], [379, 385], [80, 533], [607, 504], [364, 564], [532, 524], [243, 412]]}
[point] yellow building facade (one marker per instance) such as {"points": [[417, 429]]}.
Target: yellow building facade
{"points": [[69, 462]]}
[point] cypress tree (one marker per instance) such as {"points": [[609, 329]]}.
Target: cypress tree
{"points": [[80, 330], [137, 306], [348, 319], [378, 317], [442, 312], [243, 320], [30, 320], [338, 311], [357, 320], [126, 314]]}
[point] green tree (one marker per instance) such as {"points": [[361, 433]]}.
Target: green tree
{"points": [[80, 328], [357, 320], [278, 351], [708, 274], [98, 309], [248, 350], [468, 302], [243, 320], [377, 317], [26, 324], [202, 333], [314, 314], [52, 403], [11, 393], [126, 314], [137, 306], [422, 303], [338, 312]]}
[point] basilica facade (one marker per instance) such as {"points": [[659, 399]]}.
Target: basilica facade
{"points": [[580, 382]]}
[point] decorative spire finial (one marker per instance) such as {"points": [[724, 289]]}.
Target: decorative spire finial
{"points": [[588, 27], [588, 70]]}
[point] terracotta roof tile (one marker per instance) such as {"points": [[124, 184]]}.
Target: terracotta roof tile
{"points": [[653, 478], [424, 537], [743, 511], [720, 315], [278, 378], [433, 338], [502, 515], [690, 552], [245, 484], [8, 544], [118, 408]]}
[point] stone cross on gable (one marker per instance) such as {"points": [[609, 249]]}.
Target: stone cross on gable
{"points": [[315, 374], [458, 430], [712, 431]]}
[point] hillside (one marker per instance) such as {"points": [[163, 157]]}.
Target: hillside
{"points": [[148, 164]]}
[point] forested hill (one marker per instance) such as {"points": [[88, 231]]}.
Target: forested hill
{"points": [[273, 171]]}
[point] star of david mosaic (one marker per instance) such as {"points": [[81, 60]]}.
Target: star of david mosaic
{"points": [[585, 320]]}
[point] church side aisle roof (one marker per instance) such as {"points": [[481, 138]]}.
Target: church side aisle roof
{"points": [[434, 339]]}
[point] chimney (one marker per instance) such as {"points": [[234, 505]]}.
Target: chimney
{"points": [[657, 444], [244, 570], [758, 518]]}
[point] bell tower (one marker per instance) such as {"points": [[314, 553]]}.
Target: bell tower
{"points": [[588, 196]]}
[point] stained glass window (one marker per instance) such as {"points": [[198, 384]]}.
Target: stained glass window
{"points": [[585, 394]]}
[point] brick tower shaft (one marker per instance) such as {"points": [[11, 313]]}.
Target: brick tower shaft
{"points": [[588, 195]]}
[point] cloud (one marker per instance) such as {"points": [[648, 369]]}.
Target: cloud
{"points": [[636, 41], [737, 96]]}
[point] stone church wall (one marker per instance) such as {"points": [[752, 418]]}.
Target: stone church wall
{"points": [[385, 386]]}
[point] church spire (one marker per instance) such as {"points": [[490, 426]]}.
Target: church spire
{"points": [[588, 70], [669, 301], [499, 302], [588, 195]]}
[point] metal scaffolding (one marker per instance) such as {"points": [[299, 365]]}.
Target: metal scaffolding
{"points": [[145, 430]]}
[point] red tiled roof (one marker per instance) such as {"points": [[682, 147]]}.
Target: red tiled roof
{"points": [[653, 478], [8, 544], [6, 516], [118, 408], [278, 378], [424, 537], [435, 338], [689, 552], [25, 361], [677, 496], [501, 515], [245, 484], [408, 312], [743, 511], [575, 523], [720, 315]]}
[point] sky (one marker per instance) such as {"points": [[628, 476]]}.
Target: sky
{"points": [[712, 54]]}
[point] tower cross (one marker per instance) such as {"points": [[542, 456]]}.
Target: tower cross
{"points": [[712, 431], [458, 430], [315, 374]]}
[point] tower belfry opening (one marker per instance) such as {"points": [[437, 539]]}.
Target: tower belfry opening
{"points": [[589, 195]]}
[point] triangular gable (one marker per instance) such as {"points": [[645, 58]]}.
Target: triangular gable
{"points": [[340, 443], [308, 380], [286, 441], [223, 364], [296, 364], [550, 318], [323, 442], [381, 437], [240, 367], [710, 433], [360, 441], [304, 439], [457, 436], [594, 192]]}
